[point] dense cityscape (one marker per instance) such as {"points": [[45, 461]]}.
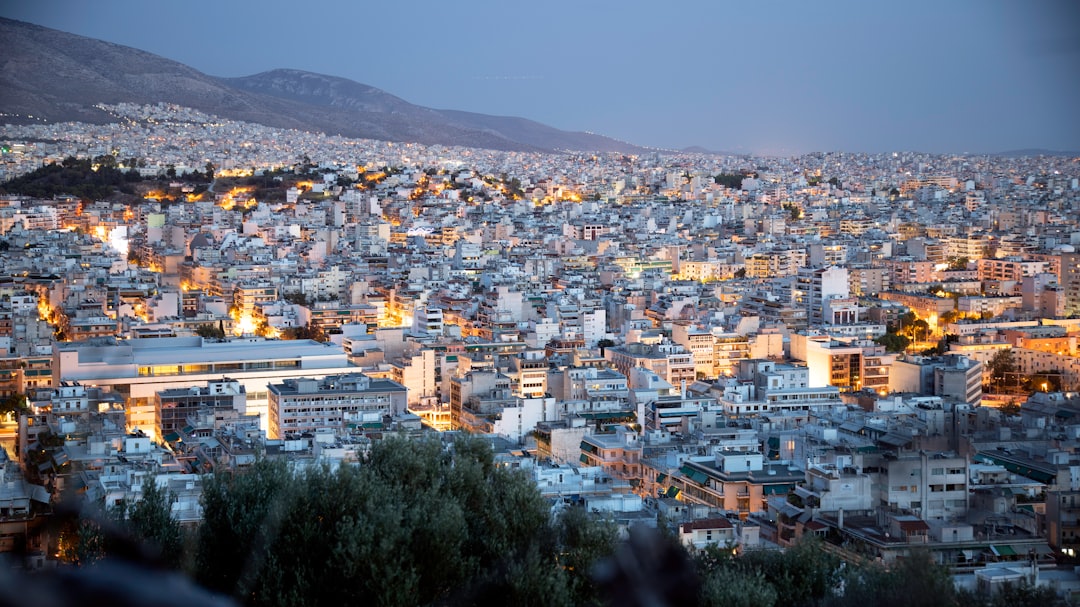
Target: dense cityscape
{"points": [[876, 351]]}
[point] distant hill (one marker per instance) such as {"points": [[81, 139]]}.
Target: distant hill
{"points": [[697, 149], [60, 76], [1036, 152]]}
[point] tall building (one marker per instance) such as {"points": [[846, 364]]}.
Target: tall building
{"points": [[817, 287], [1070, 280]]}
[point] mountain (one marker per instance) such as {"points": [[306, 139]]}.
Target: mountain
{"points": [[59, 76], [1037, 152]]}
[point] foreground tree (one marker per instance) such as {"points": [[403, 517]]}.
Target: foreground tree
{"points": [[915, 581], [414, 524]]}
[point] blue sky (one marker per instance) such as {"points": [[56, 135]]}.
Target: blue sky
{"points": [[775, 76]]}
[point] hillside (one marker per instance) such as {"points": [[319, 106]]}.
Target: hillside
{"points": [[59, 76]]}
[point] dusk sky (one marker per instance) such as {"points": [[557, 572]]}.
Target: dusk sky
{"points": [[777, 77]]}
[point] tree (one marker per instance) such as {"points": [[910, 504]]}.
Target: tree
{"points": [[958, 263], [14, 403], [906, 320], [209, 331], [1047, 381], [893, 342], [920, 327], [81, 542], [308, 331], [460, 530], [947, 317], [729, 180], [603, 344], [297, 298], [1002, 369], [915, 581], [583, 540], [150, 519], [794, 211], [731, 588]]}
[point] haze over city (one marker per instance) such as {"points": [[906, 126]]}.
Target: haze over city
{"points": [[774, 78]]}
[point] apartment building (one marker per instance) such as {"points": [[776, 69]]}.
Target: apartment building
{"points": [[339, 403]]}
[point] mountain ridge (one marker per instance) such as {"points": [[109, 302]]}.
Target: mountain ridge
{"points": [[60, 77]]}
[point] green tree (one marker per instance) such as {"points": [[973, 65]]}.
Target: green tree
{"points": [[1047, 381], [241, 510], [309, 331], [583, 540], [81, 542], [603, 344], [297, 298], [14, 403], [1002, 369], [729, 180], [728, 587], [210, 331], [415, 523], [150, 519], [915, 581], [920, 328], [958, 263], [893, 342], [947, 317]]}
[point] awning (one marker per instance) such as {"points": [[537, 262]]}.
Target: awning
{"points": [[584, 458], [661, 477], [172, 436], [694, 474], [609, 415], [1003, 550], [895, 440], [776, 489], [672, 492]]}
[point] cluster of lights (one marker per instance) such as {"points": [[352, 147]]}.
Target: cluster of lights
{"points": [[238, 195]]}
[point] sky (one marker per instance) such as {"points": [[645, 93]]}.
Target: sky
{"points": [[761, 76]]}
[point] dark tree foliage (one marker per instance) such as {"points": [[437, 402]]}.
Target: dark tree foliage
{"points": [[893, 342], [915, 581], [730, 180], [1002, 369], [414, 524], [15, 403], [417, 523], [74, 176], [308, 331], [151, 520], [210, 331]]}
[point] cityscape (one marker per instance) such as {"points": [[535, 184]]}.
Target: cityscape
{"points": [[869, 360]]}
